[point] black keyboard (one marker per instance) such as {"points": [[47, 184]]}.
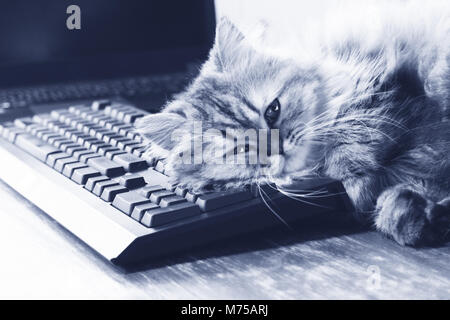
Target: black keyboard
{"points": [[83, 166], [124, 87]]}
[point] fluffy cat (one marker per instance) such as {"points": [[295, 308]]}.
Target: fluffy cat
{"points": [[365, 102]]}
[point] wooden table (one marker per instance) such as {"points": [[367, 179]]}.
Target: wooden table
{"points": [[42, 260]]}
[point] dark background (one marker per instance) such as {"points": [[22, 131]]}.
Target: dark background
{"points": [[134, 36]]}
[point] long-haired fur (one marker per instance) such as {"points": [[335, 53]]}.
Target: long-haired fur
{"points": [[365, 98]]}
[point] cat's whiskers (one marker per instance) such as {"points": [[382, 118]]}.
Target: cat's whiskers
{"points": [[301, 195], [362, 97], [333, 126], [262, 193], [297, 197]]}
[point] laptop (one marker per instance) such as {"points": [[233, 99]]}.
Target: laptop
{"points": [[74, 77]]}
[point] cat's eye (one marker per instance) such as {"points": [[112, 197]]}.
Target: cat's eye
{"points": [[272, 112]]}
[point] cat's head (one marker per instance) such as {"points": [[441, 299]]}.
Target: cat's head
{"points": [[239, 89]]}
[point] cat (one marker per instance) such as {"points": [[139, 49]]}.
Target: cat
{"points": [[368, 107]]}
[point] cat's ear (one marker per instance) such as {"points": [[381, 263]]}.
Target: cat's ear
{"points": [[159, 128], [228, 44]]}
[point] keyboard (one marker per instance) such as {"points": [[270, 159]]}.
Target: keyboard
{"points": [[82, 164], [125, 87]]}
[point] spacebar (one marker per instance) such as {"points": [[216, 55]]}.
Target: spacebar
{"points": [[34, 146]]}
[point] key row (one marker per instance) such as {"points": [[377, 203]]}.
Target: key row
{"points": [[77, 140]]}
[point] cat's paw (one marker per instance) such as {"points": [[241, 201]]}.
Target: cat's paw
{"points": [[411, 219], [153, 153], [189, 176]]}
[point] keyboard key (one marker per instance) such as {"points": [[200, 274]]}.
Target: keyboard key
{"points": [[161, 216], [115, 141], [101, 149], [70, 146], [71, 133], [111, 124], [99, 135], [86, 157], [78, 108], [109, 193], [52, 140], [64, 129], [84, 139], [130, 162], [136, 136], [4, 126], [72, 149], [90, 183], [77, 154], [36, 129], [159, 166], [100, 120], [133, 135], [41, 134], [170, 201], [156, 197], [36, 147], [121, 113], [139, 210], [147, 191], [60, 163], [70, 167], [90, 143], [88, 114], [191, 196], [131, 148], [139, 151], [23, 122], [56, 114], [104, 121], [97, 147], [126, 201], [101, 185], [60, 143], [108, 110], [111, 154], [51, 159], [80, 138], [100, 104], [124, 130], [123, 144], [154, 178], [46, 136], [179, 191], [132, 181], [81, 175], [106, 136], [106, 167], [170, 186], [11, 133], [132, 117], [43, 118], [104, 151], [211, 201]]}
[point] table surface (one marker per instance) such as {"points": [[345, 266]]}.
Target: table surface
{"points": [[40, 259]]}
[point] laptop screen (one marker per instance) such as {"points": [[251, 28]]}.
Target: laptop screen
{"points": [[48, 40]]}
